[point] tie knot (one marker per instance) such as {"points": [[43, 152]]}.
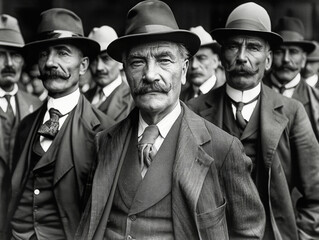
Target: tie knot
{"points": [[150, 134], [55, 114], [240, 106], [7, 97]]}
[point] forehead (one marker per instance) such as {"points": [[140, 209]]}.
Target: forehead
{"points": [[205, 50], [290, 47], [153, 49], [60, 46], [246, 38]]}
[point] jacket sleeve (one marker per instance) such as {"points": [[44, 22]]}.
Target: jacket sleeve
{"points": [[245, 212], [305, 154]]}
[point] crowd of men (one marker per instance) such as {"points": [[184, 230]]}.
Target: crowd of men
{"points": [[162, 133]]}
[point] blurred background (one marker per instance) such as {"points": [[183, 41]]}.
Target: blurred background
{"points": [[208, 13]]}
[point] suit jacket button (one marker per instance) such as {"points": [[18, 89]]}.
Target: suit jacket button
{"points": [[133, 217]]}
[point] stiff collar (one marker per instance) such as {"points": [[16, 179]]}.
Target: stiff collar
{"points": [[12, 93], [164, 125], [312, 81], [293, 83], [243, 96], [208, 84], [64, 104], [108, 89]]}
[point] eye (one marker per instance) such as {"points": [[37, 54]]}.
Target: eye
{"points": [[43, 54], [165, 60], [63, 53], [136, 63]]}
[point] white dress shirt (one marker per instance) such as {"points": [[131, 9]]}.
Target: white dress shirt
{"points": [[208, 84], [290, 86], [312, 81], [65, 105], [3, 101], [245, 97]]}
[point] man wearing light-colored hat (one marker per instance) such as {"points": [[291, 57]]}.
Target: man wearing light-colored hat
{"points": [[201, 74], [164, 172], [111, 94], [54, 154], [311, 70], [275, 131]]}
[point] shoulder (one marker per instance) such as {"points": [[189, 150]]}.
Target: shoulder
{"points": [[28, 98]]}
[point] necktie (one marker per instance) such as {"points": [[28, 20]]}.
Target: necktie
{"points": [[100, 98], [239, 116], [50, 128], [146, 149], [9, 111]]}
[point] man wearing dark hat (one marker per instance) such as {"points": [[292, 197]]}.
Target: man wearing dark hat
{"points": [[289, 59], [201, 72], [164, 172], [111, 94], [55, 153], [311, 70], [274, 130]]}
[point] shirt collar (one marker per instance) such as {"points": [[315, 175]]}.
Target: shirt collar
{"points": [[243, 96], [312, 81], [208, 84], [293, 83], [64, 104], [108, 89], [164, 125], [12, 93]]}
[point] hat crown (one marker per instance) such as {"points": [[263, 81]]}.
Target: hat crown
{"points": [[249, 16], [60, 19], [150, 16], [205, 37], [10, 34], [104, 35], [290, 28]]}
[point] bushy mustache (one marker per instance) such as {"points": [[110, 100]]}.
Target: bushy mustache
{"points": [[241, 70], [287, 66], [54, 74], [155, 86], [8, 69]]}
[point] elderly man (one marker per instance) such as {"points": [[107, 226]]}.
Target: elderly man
{"points": [[164, 172], [111, 94], [289, 59], [311, 70], [55, 153], [201, 74], [274, 130], [15, 104]]}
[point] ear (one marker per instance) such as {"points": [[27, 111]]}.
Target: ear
{"points": [[268, 60], [84, 65], [184, 71]]}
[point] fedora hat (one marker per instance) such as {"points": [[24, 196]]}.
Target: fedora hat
{"points": [[251, 19], [151, 20], [10, 34], [59, 25], [206, 39], [314, 55], [103, 35], [292, 31]]}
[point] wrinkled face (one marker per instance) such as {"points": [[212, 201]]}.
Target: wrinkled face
{"points": [[104, 69], [60, 68], [311, 68], [11, 63], [288, 62], [202, 66], [245, 59], [155, 72]]}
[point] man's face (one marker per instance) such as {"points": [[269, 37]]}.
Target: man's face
{"points": [[311, 68], [155, 72], [202, 66], [288, 62], [245, 59], [11, 63], [60, 68], [104, 69]]}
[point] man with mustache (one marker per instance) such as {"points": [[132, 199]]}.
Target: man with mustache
{"points": [[111, 94], [275, 130], [202, 66], [55, 153], [311, 70], [289, 59], [164, 172]]}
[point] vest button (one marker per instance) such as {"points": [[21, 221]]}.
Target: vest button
{"points": [[36, 191], [129, 237], [133, 217]]}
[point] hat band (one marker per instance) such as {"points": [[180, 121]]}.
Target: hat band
{"points": [[290, 36], [246, 24], [150, 29], [56, 34]]}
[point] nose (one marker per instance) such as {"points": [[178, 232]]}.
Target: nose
{"points": [[151, 72], [194, 63], [99, 64], [50, 62], [241, 57], [286, 56], [8, 59]]}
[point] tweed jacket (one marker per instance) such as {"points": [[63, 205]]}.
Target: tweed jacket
{"points": [[210, 172], [118, 105], [74, 158], [290, 154]]}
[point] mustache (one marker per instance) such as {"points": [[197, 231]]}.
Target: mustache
{"points": [[241, 70], [287, 66], [8, 70], [155, 86], [54, 74]]}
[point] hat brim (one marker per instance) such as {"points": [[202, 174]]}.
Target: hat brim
{"points": [[220, 34], [214, 46], [9, 44], [88, 47], [190, 40], [307, 46]]}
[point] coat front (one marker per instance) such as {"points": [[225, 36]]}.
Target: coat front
{"points": [[290, 155], [74, 158], [213, 196]]}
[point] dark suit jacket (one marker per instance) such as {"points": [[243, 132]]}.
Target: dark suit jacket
{"points": [[309, 97], [290, 154], [210, 172], [118, 105], [74, 158]]}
